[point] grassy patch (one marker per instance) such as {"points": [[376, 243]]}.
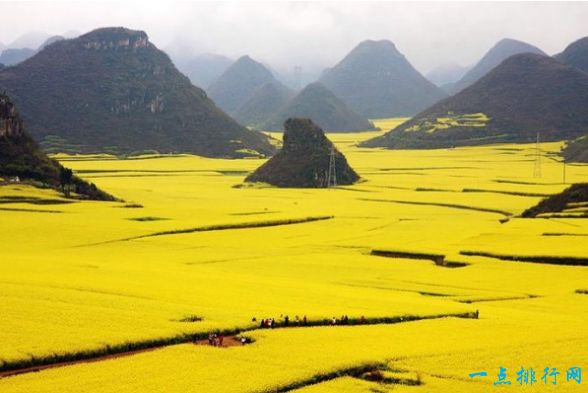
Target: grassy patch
{"points": [[147, 218], [191, 318], [131, 206], [452, 120]]}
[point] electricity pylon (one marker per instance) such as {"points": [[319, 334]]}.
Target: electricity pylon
{"points": [[537, 169], [332, 173]]}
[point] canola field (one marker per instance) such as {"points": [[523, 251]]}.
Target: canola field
{"points": [[192, 251]]}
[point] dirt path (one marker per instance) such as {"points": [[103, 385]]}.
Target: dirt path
{"points": [[229, 341]]}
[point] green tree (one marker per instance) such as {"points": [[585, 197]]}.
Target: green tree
{"points": [[65, 177]]}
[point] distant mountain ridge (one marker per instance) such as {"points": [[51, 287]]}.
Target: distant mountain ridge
{"points": [[238, 83], [377, 81], [319, 104], [112, 90], [203, 69], [263, 104], [446, 73], [12, 56], [525, 95], [501, 51], [576, 54]]}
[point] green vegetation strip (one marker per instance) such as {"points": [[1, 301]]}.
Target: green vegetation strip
{"points": [[448, 205], [221, 227], [515, 193], [10, 368], [427, 168], [527, 183], [438, 259], [562, 215], [551, 260], [147, 218], [32, 200], [563, 234], [242, 225], [6, 209], [496, 299]]}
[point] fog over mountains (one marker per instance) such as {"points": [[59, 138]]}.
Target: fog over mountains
{"points": [[312, 36]]}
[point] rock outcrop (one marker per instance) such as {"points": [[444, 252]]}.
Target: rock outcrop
{"points": [[304, 160], [21, 157]]}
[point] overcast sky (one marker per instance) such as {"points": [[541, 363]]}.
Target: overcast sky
{"points": [[312, 34]]}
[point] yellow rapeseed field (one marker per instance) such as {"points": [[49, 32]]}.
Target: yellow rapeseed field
{"points": [[87, 277]]}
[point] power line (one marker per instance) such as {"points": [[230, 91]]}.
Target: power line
{"points": [[537, 169]]}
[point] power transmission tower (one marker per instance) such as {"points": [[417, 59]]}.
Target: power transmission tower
{"points": [[332, 174], [537, 169]]}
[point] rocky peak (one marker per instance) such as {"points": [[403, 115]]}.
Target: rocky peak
{"points": [[303, 133], [115, 38], [305, 159], [10, 122]]}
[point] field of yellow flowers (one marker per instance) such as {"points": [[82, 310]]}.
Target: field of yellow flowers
{"points": [[190, 251]]}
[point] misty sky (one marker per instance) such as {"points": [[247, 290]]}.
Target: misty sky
{"points": [[313, 35]]}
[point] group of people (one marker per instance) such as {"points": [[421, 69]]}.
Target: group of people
{"points": [[216, 340], [344, 320], [297, 321], [285, 321]]}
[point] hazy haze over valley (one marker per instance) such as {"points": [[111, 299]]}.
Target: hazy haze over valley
{"points": [[310, 35]]}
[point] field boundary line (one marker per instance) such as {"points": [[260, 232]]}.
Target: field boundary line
{"points": [[439, 204]]}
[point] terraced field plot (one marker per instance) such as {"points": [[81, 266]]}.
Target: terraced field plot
{"points": [[188, 253]]}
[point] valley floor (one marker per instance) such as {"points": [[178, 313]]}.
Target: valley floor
{"points": [[188, 253]]}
